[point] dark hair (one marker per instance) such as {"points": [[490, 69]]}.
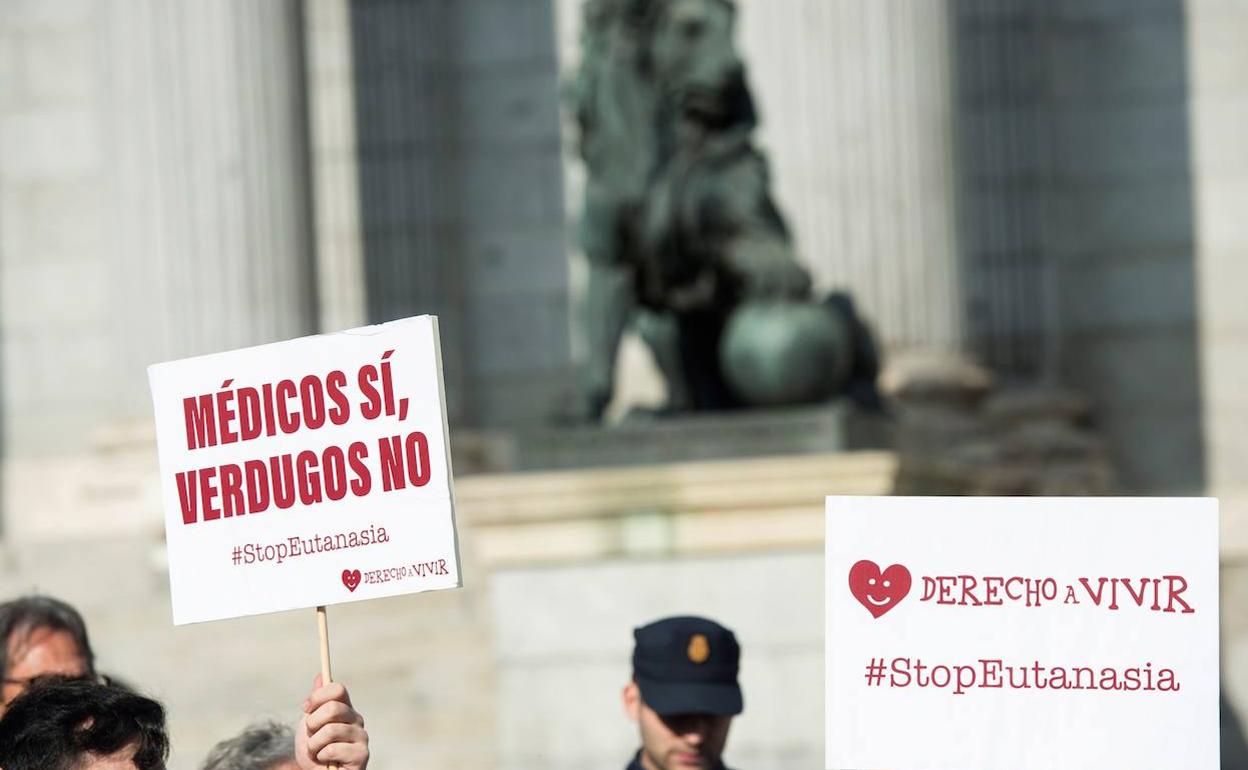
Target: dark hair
{"points": [[24, 616], [262, 746], [58, 722]]}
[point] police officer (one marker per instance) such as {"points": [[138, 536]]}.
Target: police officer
{"points": [[684, 693]]}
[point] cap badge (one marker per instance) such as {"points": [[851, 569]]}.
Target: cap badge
{"points": [[699, 648]]}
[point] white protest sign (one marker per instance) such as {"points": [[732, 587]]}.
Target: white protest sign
{"points": [[1021, 633], [304, 473]]}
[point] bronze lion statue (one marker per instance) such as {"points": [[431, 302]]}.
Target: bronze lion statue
{"points": [[682, 236]]}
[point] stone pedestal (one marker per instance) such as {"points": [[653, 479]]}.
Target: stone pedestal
{"points": [[668, 510], [646, 440], [577, 559]]}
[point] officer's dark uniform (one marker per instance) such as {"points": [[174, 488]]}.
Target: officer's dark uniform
{"points": [[687, 665], [636, 764]]}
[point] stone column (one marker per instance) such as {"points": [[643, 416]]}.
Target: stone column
{"points": [[154, 201], [1218, 113], [857, 102], [1218, 105], [335, 167], [460, 194], [206, 122]]}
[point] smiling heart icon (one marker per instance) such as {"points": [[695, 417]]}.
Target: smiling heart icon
{"points": [[878, 592], [351, 579]]}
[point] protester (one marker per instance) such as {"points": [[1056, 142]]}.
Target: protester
{"points": [[262, 746], [684, 693], [39, 636], [42, 637], [63, 723], [82, 724], [330, 731]]}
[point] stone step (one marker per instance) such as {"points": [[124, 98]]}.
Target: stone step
{"points": [[683, 508], [746, 484]]}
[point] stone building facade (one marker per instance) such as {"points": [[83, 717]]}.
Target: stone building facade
{"points": [[1054, 187]]}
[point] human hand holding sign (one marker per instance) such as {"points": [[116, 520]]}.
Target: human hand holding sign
{"points": [[331, 732]]}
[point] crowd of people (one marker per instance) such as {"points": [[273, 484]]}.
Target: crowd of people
{"points": [[58, 713]]}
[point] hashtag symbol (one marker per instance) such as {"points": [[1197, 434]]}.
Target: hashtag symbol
{"points": [[875, 672], [238, 555]]}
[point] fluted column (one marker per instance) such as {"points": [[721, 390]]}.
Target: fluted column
{"points": [[857, 101], [335, 165], [154, 204], [207, 127]]}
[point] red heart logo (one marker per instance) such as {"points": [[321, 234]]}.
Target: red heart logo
{"points": [[351, 579], [878, 592]]}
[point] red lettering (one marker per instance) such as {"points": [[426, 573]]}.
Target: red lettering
{"points": [[309, 478], [968, 591], [225, 414], [335, 381], [371, 407], [1174, 593], [201, 427], [257, 474], [312, 397], [418, 470], [186, 496], [1010, 593], [282, 476], [992, 585], [1137, 598], [249, 421], [1100, 588], [287, 421], [232, 491], [391, 463], [363, 481], [929, 589], [387, 385], [334, 473], [208, 493], [269, 422]]}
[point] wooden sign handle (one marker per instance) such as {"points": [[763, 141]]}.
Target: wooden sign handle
{"points": [[322, 627]]}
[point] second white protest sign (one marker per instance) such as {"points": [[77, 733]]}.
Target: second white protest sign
{"points": [[1022, 633]]}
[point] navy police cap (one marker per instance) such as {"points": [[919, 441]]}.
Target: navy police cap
{"points": [[687, 665]]}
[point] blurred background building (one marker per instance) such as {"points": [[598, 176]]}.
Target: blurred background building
{"points": [[1054, 189]]}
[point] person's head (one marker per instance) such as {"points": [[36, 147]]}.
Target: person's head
{"points": [[262, 746], [41, 636], [82, 724], [684, 692]]}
